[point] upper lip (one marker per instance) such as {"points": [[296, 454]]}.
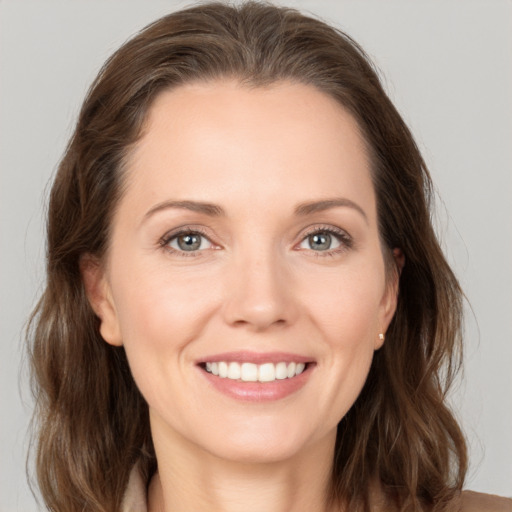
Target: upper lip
{"points": [[256, 357]]}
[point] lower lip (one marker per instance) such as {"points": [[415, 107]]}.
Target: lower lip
{"points": [[259, 391]]}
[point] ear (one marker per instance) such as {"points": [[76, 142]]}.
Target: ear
{"points": [[390, 297], [98, 291]]}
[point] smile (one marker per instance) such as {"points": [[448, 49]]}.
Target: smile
{"points": [[257, 377], [251, 372]]}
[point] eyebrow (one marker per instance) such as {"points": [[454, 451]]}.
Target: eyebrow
{"points": [[210, 209], [327, 204], [214, 210]]}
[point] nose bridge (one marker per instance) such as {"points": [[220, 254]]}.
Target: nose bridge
{"points": [[257, 291]]}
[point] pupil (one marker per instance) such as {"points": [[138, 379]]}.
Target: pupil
{"points": [[320, 241], [189, 242]]}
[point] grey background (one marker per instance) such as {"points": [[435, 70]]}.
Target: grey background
{"points": [[447, 66]]}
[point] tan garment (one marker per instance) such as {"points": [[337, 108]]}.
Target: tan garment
{"points": [[135, 498]]}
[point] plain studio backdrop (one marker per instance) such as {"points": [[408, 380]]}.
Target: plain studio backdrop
{"points": [[447, 66]]}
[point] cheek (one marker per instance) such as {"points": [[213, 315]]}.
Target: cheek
{"points": [[151, 298], [347, 314], [347, 306], [159, 311], [159, 314]]}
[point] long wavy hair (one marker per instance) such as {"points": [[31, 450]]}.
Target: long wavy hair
{"points": [[91, 423]]}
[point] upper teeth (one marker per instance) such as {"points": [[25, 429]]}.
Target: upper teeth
{"points": [[250, 372]]}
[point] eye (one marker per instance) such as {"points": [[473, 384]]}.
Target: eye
{"points": [[320, 241], [326, 240], [188, 241]]}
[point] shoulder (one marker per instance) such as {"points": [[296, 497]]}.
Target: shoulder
{"points": [[478, 502]]}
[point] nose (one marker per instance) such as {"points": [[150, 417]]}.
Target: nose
{"points": [[259, 294]]}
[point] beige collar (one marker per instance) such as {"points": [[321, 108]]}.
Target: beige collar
{"points": [[135, 498]]}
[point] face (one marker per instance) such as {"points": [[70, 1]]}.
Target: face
{"points": [[245, 277]]}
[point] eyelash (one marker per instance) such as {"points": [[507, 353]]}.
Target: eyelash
{"points": [[345, 240], [185, 230]]}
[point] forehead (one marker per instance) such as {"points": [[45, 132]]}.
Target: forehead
{"points": [[284, 141]]}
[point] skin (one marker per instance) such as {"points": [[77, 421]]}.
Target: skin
{"points": [[256, 283]]}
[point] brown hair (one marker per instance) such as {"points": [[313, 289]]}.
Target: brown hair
{"points": [[92, 421]]}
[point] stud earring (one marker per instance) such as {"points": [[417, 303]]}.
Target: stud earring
{"points": [[381, 337]]}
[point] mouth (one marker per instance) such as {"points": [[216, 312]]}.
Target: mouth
{"points": [[252, 372], [257, 377]]}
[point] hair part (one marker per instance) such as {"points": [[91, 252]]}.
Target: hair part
{"points": [[92, 422]]}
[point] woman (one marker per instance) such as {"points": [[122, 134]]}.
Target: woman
{"points": [[246, 305]]}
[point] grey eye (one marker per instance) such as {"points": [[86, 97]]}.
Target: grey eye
{"points": [[189, 242], [321, 241]]}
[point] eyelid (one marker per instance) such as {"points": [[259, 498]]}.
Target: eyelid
{"points": [[345, 239], [165, 240]]}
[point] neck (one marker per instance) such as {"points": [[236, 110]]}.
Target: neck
{"points": [[189, 478]]}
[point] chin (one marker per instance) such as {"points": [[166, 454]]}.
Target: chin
{"points": [[268, 444], [255, 453]]}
